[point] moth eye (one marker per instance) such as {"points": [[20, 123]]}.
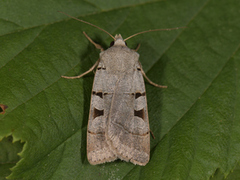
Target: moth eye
{"points": [[125, 43], [112, 43]]}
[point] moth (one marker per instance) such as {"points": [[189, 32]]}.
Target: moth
{"points": [[118, 125]]}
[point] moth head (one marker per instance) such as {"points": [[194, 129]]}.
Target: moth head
{"points": [[118, 41]]}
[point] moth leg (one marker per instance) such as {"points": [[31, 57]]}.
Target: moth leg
{"points": [[152, 134], [152, 83], [81, 75], [95, 44], [137, 48]]}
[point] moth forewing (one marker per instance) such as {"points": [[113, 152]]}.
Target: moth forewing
{"points": [[118, 122]]}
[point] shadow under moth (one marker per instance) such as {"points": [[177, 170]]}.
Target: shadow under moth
{"points": [[118, 125]]}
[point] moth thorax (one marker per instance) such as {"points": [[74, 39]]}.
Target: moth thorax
{"points": [[119, 40]]}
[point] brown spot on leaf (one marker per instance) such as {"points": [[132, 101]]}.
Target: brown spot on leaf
{"points": [[3, 108]]}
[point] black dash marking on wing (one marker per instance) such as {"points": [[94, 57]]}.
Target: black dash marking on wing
{"points": [[97, 112], [139, 113], [100, 94], [138, 94], [103, 68]]}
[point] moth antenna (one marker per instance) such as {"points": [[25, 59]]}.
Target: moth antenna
{"points": [[151, 30], [88, 24]]}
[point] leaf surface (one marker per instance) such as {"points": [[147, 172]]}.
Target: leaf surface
{"points": [[195, 120]]}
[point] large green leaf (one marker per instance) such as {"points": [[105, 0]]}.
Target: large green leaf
{"points": [[196, 120]]}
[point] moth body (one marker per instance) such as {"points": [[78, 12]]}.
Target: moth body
{"points": [[118, 124]]}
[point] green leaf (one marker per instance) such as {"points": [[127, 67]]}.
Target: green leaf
{"points": [[195, 120], [235, 175], [8, 155]]}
